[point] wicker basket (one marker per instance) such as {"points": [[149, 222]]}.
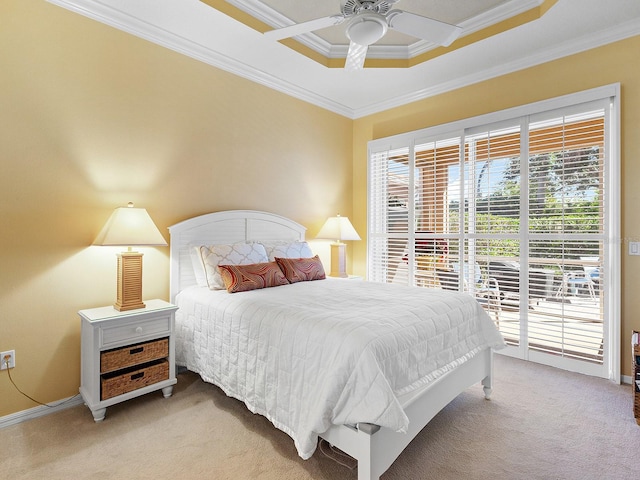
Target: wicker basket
{"points": [[120, 358], [133, 378]]}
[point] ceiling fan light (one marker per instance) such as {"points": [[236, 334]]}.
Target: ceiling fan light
{"points": [[366, 29]]}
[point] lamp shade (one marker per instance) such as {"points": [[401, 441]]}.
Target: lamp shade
{"points": [[129, 226], [338, 228]]}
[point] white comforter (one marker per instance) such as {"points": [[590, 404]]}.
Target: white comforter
{"points": [[313, 354]]}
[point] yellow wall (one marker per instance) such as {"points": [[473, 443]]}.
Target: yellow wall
{"points": [[602, 66], [91, 118]]}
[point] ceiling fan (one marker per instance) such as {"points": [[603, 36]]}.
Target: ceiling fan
{"points": [[369, 21]]}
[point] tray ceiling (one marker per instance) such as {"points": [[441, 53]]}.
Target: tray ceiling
{"points": [[498, 37]]}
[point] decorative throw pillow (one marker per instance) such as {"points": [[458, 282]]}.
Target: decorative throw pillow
{"points": [[232, 254], [301, 269], [241, 278], [287, 250]]}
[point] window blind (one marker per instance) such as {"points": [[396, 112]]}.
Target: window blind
{"points": [[515, 213]]}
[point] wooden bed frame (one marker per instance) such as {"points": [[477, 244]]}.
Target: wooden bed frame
{"points": [[373, 447]]}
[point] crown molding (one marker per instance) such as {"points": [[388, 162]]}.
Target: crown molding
{"points": [[623, 31], [106, 14]]}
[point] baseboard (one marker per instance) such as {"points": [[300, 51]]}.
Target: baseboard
{"points": [[39, 411], [626, 379]]}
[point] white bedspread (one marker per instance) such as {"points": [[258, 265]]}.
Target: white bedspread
{"points": [[313, 354]]}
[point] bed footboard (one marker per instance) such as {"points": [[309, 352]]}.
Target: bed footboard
{"points": [[377, 448]]}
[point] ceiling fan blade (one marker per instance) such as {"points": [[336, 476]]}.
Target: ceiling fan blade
{"points": [[355, 57], [422, 27], [304, 27]]}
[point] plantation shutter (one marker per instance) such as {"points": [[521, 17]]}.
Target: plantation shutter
{"points": [[437, 225], [518, 213], [493, 212], [389, 178], [566, 232]]}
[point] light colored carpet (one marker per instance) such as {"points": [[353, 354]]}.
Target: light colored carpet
{"points": [[542, 423]]}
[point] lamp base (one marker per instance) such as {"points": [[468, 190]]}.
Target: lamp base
{"points": [[339, 260], [129, 290]]}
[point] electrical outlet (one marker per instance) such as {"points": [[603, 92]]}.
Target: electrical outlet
{"points": [[12, 359]]}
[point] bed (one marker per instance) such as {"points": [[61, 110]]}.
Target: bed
{"points": [[336, 359]]}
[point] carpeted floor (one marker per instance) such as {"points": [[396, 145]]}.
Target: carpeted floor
{"points": [[542, 423]]}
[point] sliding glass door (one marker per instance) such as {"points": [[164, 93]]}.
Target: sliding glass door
{"points": [[515, 212]]}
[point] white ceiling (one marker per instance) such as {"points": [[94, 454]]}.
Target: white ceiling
{"points": [[195, 29]]}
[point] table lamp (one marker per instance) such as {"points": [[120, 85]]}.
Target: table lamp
{"points": [[129, 227], [338, 228]]}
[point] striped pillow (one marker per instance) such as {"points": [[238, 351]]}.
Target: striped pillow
{"points": [[242, 278], [301, 269]]}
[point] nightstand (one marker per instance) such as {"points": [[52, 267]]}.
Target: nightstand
{"points": [[126, 354]]}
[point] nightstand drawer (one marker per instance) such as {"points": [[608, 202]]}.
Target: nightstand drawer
{"points": [[123, 381], [129, 332], [136, 354]]}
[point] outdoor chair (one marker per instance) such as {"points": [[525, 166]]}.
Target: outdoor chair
{"points": [[485, 290], [573, 281]]}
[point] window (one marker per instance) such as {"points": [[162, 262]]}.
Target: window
{"points": [[519, 211]]}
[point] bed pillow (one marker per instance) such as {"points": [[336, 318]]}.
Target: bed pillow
{"points": [[301, 269], [198, 266], [287, 250], [242, 278], [231, 254]]}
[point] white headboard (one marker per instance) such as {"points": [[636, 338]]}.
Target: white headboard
{"points": [[222, 228]]}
